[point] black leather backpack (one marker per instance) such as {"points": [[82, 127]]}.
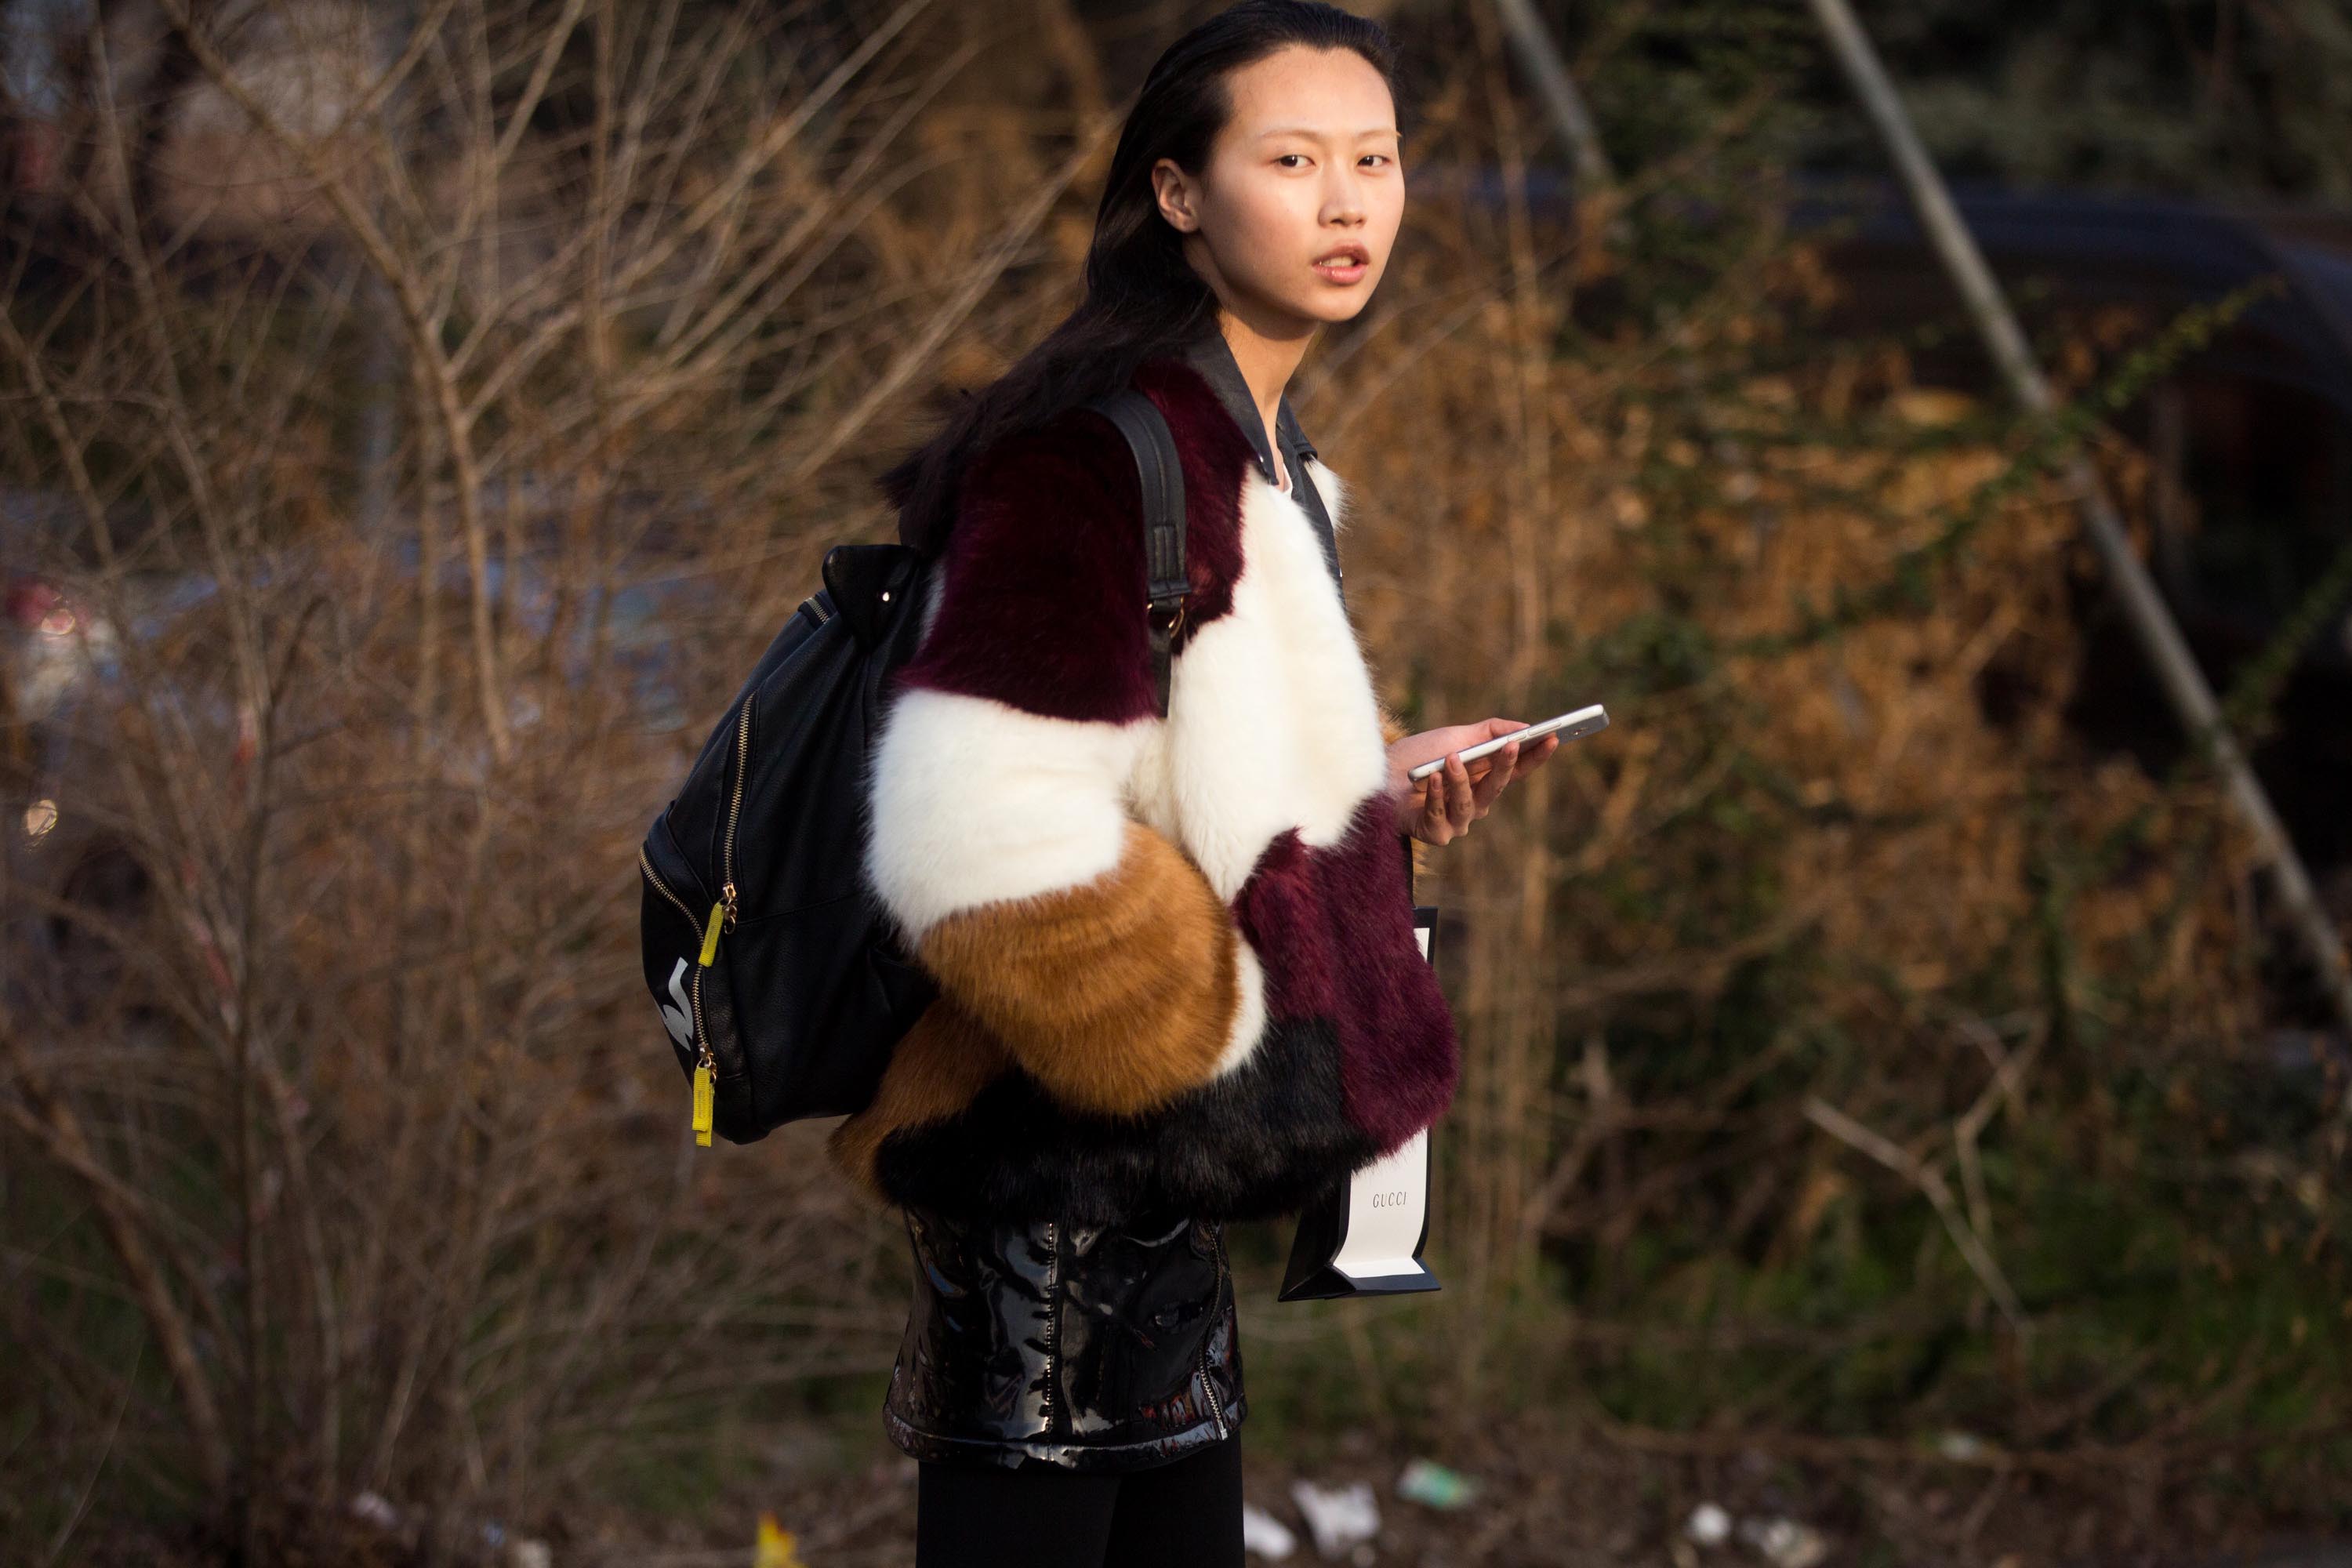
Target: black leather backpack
{"points": [[777, 974]]}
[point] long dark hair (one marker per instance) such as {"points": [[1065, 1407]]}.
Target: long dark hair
{"points": [[1143, 298]]}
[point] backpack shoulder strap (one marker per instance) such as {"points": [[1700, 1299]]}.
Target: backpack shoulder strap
{"points": [[1138, 419]]}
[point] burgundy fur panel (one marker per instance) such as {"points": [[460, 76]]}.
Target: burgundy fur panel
{"points": [[1042, 600], [1041, 589], [1334, 929]]}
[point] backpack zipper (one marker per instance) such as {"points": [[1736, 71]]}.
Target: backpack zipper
{"points": [[646, 865], [722, 917], [735, 813], [707, 1064]]}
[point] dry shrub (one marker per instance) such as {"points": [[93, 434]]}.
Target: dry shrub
{"points": [[414, 563], [1840, 996]]}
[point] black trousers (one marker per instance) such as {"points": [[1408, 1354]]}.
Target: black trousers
{"points": [[1186, 1512]]}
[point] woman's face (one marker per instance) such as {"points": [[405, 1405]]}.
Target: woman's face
{"points": [[1308, 165]]}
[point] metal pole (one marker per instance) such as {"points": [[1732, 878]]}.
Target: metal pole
{"points": [[1569, 116], [2144, 607]]}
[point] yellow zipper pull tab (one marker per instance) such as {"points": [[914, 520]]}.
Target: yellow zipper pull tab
{"points": [[710, 934], [702, 1103], [702, 1084]]}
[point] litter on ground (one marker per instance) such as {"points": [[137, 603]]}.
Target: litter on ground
{"points": [[1433, 1484], [1337, 1518], [1265, 1535], [1785, 1542], [775, 1547], [1708, 1525]]}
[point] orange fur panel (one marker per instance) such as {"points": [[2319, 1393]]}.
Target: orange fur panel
{"points": [[938, 1068], [1116, 995]]}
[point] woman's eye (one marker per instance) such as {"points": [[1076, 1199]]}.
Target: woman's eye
{"points": [[1290, 156], [1383, 156]]}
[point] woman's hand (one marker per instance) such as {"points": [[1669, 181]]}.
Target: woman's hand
{"points": [[1441, 808]]}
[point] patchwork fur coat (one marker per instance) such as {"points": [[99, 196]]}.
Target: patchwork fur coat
{"points": [[1176, 957]]}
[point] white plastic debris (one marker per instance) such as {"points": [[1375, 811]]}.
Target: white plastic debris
{"points": [[1784, 1542], [376, 1509], [1960, 1446], [1265, 1535], [1708, 1525], [1338, 1519]]}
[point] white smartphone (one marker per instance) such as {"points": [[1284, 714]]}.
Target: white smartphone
{"points": [[1583, 721]]}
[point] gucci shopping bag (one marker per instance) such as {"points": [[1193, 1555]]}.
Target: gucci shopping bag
{"points": [[1364, 1237]]}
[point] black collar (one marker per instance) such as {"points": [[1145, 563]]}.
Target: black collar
{"points": [[1213, 357]]}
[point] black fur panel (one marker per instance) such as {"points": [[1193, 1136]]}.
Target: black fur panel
{"points": [[1259, 1143]]}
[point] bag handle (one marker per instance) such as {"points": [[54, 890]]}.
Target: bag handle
{"points": [[1166, 585]]}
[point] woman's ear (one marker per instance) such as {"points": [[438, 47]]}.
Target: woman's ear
{"points": [[1177, 195]]}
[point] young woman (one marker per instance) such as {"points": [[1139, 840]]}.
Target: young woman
{"points": [[1179, 980]]}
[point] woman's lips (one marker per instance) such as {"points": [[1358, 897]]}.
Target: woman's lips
{"points": [[1346, 271]]}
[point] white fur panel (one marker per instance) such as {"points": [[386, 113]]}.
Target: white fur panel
{"points": [[1271, 718], [1332, 489], [974, 800], [1249, 1021]]}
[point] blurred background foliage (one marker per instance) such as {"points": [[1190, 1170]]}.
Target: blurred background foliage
{"points": [[1886, 1097]]}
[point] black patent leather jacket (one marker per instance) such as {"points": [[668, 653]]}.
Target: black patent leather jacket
{"points": [[1091, 1347]]}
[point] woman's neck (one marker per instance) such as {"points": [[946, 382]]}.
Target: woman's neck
{"points": [[1265, 362]]}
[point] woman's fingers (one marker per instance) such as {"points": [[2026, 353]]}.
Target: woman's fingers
{"points": [[1503, 770], [1452, 798], [1535, 756], [1438, 812], [1433, 808], [1460, 795]]}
